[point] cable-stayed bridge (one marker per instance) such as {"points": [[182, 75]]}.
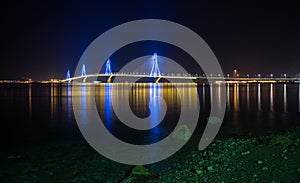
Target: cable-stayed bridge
{"points": [[156, 76]]}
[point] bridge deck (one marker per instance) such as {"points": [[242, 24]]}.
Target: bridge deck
{"points": [[187, 77]]}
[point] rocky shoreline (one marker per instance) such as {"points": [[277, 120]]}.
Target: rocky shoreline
{"points": [[271, 158]]}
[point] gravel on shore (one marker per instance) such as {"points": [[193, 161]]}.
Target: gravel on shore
{"points": [[270, 158]]}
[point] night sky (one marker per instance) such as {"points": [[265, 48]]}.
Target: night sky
{"points": [[41, 40]]}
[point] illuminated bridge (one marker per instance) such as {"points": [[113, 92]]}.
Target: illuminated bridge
{"points": [[157, 76]]}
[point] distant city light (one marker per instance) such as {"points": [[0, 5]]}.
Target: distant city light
{"points": [[235, 73]]}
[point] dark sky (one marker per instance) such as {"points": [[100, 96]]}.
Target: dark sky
{"points": [[41, 40]]}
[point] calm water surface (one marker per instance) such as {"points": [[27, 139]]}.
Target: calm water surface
{"points": [[33, 112]]}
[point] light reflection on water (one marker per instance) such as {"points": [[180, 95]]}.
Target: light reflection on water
{"points": [[259, 97], [236, 97], [67, 99], [284, 98], [154, 104], [145, 101], [245, 97], [228, 96], [250, 107], [248, 96], [299, 99], [271, 98], [30, 101], [107, 108]]}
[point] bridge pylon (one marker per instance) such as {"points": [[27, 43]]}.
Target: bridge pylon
{"points": [[155, 69], [68, 74], [83, 71], [108, 68]]}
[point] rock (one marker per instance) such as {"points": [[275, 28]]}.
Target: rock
{"points": [[140, 170], [284, 151], [197, 170], [139, 173], [19, 158], [214, 120], [259, 162], [76, 172], [14, 157], [281, 140], [210, 168], [182, 132]]}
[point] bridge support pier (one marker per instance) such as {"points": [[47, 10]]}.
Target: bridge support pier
{"points": [[109, 79], [84, 79], [157, 79]]}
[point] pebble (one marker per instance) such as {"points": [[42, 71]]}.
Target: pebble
{"points": [[199, 171], [265, 168], [284, 151], [245, 153], [210, 168], [259, 162]]}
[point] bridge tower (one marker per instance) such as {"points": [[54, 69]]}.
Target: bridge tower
{"points": [[155, 69], [68, 74], [108, 68], [83, 71]]}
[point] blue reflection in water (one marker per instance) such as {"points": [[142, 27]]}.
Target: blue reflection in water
{"points": [[83, 102], [68, 103], [107, 106], [154, 105]]}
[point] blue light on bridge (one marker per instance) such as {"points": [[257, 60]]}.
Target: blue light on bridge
{"points": [[108, 68], [68, 74], [155, 69], [83, 91], [83, 71]]}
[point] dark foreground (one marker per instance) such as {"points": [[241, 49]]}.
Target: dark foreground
{"points": [[272, 158]]}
